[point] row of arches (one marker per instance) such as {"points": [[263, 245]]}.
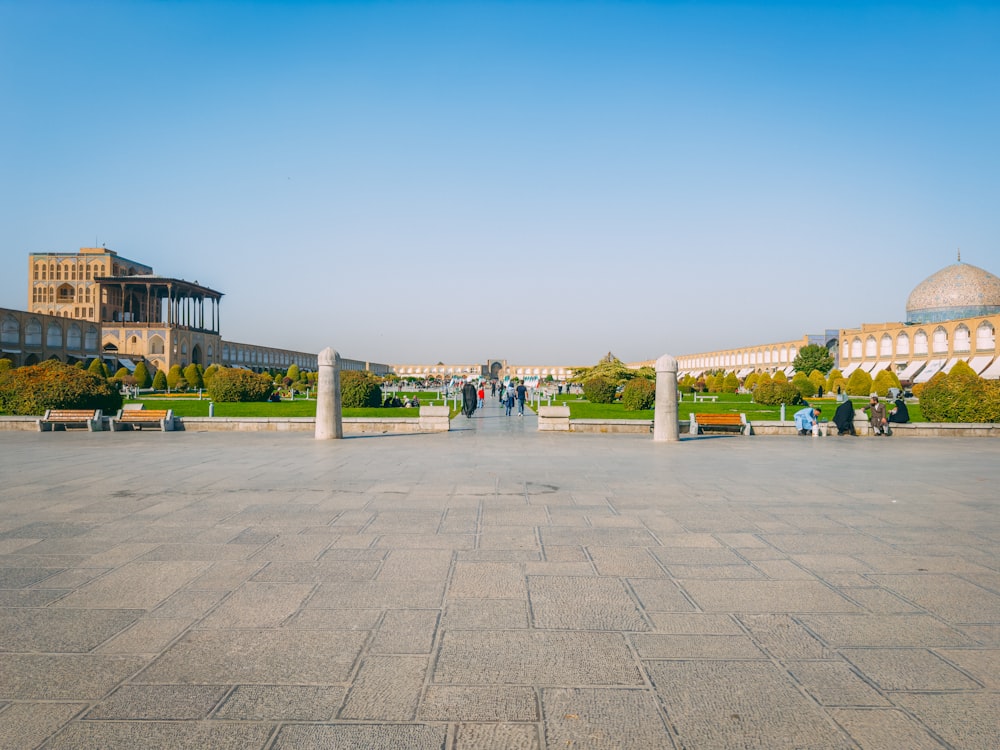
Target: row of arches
{"points": [[782, 355], [55, 334], [921, 343]]}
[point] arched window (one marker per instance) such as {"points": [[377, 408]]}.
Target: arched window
{"points": [[54, 335], [885, 346], [985, 336], [871, 347], [902, 345], [856, 348], [74, 337], [920, 342], [962, 339], [940, 345], [90, 339], [156, 345], [10, 331]]}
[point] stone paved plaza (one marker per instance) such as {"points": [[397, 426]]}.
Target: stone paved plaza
{"points": [[496, 587]]}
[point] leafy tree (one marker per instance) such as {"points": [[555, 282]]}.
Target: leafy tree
{"points": [[6, 364], [121, 373], [141, 375], [779, 377], [639, 394], [803, 385], [160, 381], [609, 368], [831, 380], [751, 381], [174, 376], [818, 380], [884, 380], [360, 389], [193, 376], [98, 368], [730, 384], [813, 357], [79, 365], [54, 385], [960, 396], [293, 373], [207, 375], [232, 384], [600, 390], [774, 392], [859, 384]]}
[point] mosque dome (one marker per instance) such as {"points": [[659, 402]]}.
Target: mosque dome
{"points": [[957, 291]]}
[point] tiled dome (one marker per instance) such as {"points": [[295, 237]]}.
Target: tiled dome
{"points": [[956, 291]]}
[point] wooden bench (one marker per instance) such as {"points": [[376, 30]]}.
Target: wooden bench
{"points": [[705, 397], [739, 421], [139, 418], [89, 418]]}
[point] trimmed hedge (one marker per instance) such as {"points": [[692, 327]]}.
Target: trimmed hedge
{"points": [[360, 389], [54, 385], [232, 384], [639, 394], [774, 393], [960, 396], [598, 390]]}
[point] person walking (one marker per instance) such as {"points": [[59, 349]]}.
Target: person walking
{"points": [[481, 396], [469, 397], [522, 394], [507, 398]]}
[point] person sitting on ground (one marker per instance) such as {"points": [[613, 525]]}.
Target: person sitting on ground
{"points": [[807, 420], [844, 418], [899, 414]]}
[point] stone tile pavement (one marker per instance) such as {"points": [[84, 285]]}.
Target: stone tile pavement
{"points": [[494, 587]]}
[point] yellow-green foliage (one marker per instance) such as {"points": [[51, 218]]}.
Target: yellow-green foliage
{"points": [[6, 364], [192, 374], [639, 394], [54, 385], [141, 375], [750, 381], [859, 384], [884, 380], [818, 379], [730, 383], [233, 384], [779, 377], [831, 380], [803, 384], [960, 396], [174, 376]]}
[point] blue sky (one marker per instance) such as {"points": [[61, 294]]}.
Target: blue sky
{"points": [[544, 181]]}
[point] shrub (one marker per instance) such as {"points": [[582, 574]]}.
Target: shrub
{"points": [[160, 381], [639, 394], [836, 383], [779, 377], [960, 397], [6, 364], [859, 384], [773, 393], [730, 383], [98, 368], [598, 390], [818, 379], [121, 373], [209, 373], [53, 385], [231, 384], [751, 381], [293, 373], [803, 385], [360, 389], [193, 376], [141, 375], [831, 380], [174, 376], [884, 380]]}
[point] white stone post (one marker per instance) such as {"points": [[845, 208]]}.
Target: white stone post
{"points": [[665, 425], [329, 420]]}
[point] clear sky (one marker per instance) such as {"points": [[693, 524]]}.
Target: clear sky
{"points": [[539, 181]]}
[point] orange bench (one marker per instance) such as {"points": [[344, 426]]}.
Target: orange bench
{"points": [[739, 421], [89, 418], [139, 418]]}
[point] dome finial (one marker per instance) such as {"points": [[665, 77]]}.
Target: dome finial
{"points": [[959, 255]]}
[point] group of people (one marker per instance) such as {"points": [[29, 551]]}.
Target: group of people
{"points": [[807, 419], [474, 397]]}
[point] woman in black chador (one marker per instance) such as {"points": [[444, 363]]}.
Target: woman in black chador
{"points": [[844, 418], [469, 398]]}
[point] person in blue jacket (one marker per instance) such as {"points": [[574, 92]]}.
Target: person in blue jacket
{"points": [[807, 420]]}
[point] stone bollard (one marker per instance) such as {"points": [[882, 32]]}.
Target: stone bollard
{"points": [[665, 425], [329, 419]]}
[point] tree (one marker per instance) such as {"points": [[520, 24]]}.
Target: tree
{"points": [[609, 368], [803, 384], [141, 375], [831, 380], [174, 376], [813, 357], [160, 381], [293, 373], [818, 380], [884, 380], [859, 384], [730, 383], [192, 374]]}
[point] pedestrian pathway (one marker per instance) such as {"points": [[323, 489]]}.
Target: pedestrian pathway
{"points": [[492, 419], [497, 587]]}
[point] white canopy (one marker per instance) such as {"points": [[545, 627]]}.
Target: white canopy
{"points": [[911, 369], [932, 369]]}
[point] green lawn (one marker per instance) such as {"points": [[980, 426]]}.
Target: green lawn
{"points": [[297, 408]]}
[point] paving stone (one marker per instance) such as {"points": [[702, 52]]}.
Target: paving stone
{"points": [[70, 677], [563, 535], [766, 596], [30, 597], [61, 631], [485, 580], [604, 718], [543, 568], [836, 544], [498, 736], [498, 555], [907, 669], [515, 516], [486, 614], [526, 657], [831, 563], [834, 683], [406, 632], [405, 522], [159, 702], [259, 605], [335, 619], [876, 729], [471, 703], [662, 646], [152, 735], [147, 636], [583, 603], [687, 557], [378, 595], [302, 547], [514, 538], [694, 624], [387, 688], [716, 572], [45, 530], [877, 601], [423, 565], [28, 724], [360, 737], [427, 541], [631, 562], [282, 703], [136, 585], [569, 554], [188, 604], [210, 657], [660, 595], [982, 664], [965, 720], [716, 704], [317, 571], [784, 638], [905, 630], [950, 597], [16, 578]]}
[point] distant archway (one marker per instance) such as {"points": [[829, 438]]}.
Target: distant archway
{"points": [[196, 357], [495, 369]]}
